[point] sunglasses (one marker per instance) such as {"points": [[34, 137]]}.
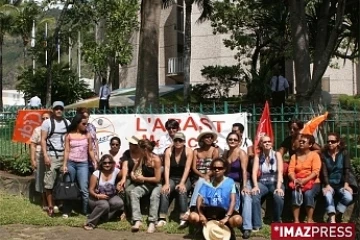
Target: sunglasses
{"points": [[217, 168], [332, 141], [178, 140], [115, 144], [233, 140], [44, 118], [209, 136], [58, 108], [108, 163], [264, 142]]}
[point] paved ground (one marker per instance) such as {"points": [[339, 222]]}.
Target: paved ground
{"points": [[26, 232]]}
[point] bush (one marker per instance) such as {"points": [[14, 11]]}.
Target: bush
{"points": [[19, 165], [349, 102]]}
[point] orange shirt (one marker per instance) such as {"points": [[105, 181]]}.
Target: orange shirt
{"points": [[311, 164]]}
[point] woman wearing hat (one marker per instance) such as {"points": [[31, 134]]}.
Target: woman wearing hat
{"points": [[177, 165], [128, 161], [267, 176], [218, 200]]}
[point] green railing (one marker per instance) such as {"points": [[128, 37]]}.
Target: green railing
{"points": [[345, 122]]}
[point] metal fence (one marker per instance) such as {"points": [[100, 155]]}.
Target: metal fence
{"points": [[345, 122]]}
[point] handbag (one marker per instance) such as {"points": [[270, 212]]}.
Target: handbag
{"points": [[66, 190]]}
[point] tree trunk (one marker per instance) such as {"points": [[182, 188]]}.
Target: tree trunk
{"points": [[300, 38], [1, 72], [51, 53], [187, 50], [147, 85], [99, 38]]}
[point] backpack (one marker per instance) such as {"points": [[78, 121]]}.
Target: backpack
{"points": [[52, 131]]}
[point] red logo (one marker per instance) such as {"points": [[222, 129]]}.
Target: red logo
{"points": [[313, 231]]}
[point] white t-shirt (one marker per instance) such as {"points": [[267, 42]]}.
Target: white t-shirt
{"points": [[112, 180]]}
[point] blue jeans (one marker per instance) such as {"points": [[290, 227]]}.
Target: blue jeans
{"points": [[197, 187], [345, 199], [308, 196], [79, 171], [266, 189], [181, 198], [247, 202]]}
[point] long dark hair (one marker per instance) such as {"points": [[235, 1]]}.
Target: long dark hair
{"points": [[75, 122]]}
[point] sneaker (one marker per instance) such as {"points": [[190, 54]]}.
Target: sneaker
{"points": [[65, 216], [246, 234], [56, 209], [256, 230], [151, 228], [183, 224], [136, 226], [50, 212], [161, 223]]}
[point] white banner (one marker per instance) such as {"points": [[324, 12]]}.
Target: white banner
{"points": [[152, 127]]}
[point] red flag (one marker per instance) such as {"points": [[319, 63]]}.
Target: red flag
{"points": [[264, 127]]}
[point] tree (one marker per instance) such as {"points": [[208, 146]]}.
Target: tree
{"points": [[68, 87], [147, 84], [6, 11]]}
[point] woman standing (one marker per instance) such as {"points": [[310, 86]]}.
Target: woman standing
{"points": [[148, 183], [104, 201], [335, 174], [178, 161], [267, 176], [304, 169], [78, 147], [91, 129], [37, 162]]}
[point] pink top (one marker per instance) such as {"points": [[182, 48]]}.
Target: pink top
{"points": [[79, 149]]}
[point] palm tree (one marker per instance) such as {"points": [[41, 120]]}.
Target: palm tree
{"points": [[147, 84], [206, 8]]}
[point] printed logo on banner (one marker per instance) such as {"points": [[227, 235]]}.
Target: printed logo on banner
{"points": [[105, 130], [313, 231]]}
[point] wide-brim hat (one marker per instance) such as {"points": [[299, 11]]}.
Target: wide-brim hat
{"points": [[207, 132], [213, 231], [134, 139]]}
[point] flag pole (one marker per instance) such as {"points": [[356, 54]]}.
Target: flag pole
{"points": [[33, 45]]}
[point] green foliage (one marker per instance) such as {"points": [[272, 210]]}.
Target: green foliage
{"points": [[349, 102], [66, 85], [117, 21], [258, 85], [20, 165], [220, 78]]}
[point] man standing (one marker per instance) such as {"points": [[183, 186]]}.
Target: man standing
{"points": [[53, 132], [35, 102], [104, 95], [279, 88]]}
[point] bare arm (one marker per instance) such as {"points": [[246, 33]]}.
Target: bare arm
{"points": [[280, 169], [91, 150], [44, 135], [167, 166], [124, 171], [189, 158], [92, 186], [255, 170], [33, 154], [232, 204], [66, 150]]}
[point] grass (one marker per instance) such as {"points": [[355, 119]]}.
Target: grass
{"points": [[18, 210]]}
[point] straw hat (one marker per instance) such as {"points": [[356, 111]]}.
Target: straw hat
{"points": [[213, 231], [134, 139], [207, 132]]}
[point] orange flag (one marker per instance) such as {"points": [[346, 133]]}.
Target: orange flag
{"points": [[264, 127], [26, 122], [310, 126]]}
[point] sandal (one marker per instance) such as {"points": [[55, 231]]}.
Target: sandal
{"points": [[122, 217], [88, 226]]}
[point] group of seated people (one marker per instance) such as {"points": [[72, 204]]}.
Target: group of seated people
{"points": [[227, 186]]}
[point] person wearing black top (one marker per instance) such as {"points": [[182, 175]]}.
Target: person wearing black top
{"points": [[178, 160], [335, 177]]}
